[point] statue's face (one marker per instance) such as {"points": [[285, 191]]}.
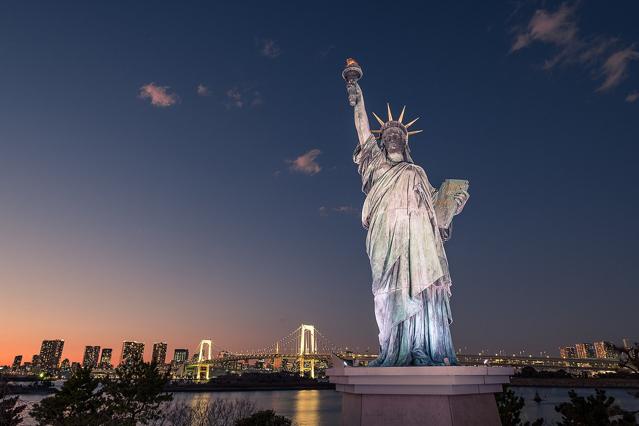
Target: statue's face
{"points": [[394, 140]]}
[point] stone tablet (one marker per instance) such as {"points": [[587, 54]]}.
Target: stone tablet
{"points": [[445, 205]]}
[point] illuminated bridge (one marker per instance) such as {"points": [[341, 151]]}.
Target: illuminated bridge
{"points": [[299, 351], [306, 348]]}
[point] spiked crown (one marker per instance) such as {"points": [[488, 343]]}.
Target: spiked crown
{"points": [[395, 123]]}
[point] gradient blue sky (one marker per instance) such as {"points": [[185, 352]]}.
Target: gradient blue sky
{"points": [[182, 215]]}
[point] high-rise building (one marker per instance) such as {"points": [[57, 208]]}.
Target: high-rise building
{"points": [[91, 354], [627, 343], [180, 356], [567, 352], [17, 361], [605, 350], [105, 358], [132, 352], [50, 353], [159, 353], [35, 360], [585, 350]]}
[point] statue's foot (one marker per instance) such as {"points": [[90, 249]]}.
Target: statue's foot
{"points": [[423, 361]]}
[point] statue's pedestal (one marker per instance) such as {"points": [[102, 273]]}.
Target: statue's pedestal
{"points": [[408, 396]]}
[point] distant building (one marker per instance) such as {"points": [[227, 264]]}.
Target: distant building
{"points": [[567, 352], [605, 350], [35, 360], [17, 361], [585, 350], [105, 358], [180, 356], [627, 343], [159, 353], [91, 354], [132, 352], [50, 353]]}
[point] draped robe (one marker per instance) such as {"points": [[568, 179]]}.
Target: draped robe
{"points": [[411, 281]]}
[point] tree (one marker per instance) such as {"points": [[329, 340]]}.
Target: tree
{"points": [[133, 397], [509, 406], [10, 411], [629, 357], [264, 418], [79, 402], [215, 412], [136, 394], [594, 410]]}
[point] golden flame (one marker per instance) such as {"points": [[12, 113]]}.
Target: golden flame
{"points": [[350, 62]]}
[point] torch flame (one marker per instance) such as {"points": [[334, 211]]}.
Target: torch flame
{"points": [[350, 62]]}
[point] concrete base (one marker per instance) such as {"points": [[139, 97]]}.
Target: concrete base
{"points": [[451, 396], [436, 410]]}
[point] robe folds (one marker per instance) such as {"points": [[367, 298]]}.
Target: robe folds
{"points": [[411, 281]]}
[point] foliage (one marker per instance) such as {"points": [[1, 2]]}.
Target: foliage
{"points": [[509, 406], [79, 402], [264, 418], [133, 397], [218, 412], [595, 410], [136, 395], [629, 357], [10, 411]]}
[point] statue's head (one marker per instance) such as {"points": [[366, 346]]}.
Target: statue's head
{"points": [[395, 140], [394, 136]]}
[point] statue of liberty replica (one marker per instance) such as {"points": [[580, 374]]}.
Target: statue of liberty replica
{"points": [[408, 221]]}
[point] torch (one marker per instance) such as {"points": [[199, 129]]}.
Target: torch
{"points": [[351, 74]]}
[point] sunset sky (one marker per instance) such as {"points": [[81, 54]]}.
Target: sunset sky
{"points": [[183, 170]]}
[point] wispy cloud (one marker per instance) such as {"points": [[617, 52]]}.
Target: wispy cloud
{"points": [[240, 98], [605, 57], [306, 163], [269, 48], [234, 98], [615, 68], [632, 97], [325, 211], [202, 90], [158, 95], [558, 28]]}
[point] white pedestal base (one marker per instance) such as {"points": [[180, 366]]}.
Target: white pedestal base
{"points": [[408, 396]]}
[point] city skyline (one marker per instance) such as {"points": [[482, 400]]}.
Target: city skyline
{"points": [[596, 349], [170, 173]]}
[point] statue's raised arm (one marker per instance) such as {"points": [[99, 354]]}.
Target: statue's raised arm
{"points": [[361, 118], [351, 74]]}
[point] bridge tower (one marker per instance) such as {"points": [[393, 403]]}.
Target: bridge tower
{"points": [[203, 367], [203, 356], [308, 346]]}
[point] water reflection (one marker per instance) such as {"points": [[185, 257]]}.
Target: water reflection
{"points": [[323, 407], [305, 407]]}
